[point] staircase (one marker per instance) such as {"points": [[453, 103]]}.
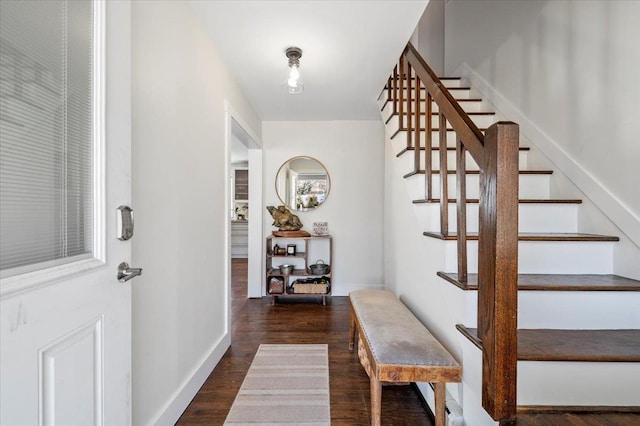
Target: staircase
{"points": [[578, 337]]}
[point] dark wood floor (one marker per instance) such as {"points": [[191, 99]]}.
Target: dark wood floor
{"points": [[256, 321], [579, 419]]}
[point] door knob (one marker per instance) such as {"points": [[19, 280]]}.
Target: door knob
{"points": [[125, 273]]}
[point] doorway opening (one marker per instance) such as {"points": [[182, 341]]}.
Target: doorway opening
{"points": [[244, 165]]}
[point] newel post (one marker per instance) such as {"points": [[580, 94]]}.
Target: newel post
{"points": [[498, 270]]}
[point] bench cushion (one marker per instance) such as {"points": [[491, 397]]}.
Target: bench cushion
{"points": [[394, 334]]}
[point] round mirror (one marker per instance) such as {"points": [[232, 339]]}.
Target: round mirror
{"points": [[302, 183]]}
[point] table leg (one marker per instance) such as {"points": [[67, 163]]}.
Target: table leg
{"points": [[376, 400], [352, 330], [440, 391]]}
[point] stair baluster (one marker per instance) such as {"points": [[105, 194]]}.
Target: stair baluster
{"points": [[416, 144], [400, 97], [461, 216], [428, 148], [444, 178], [410, 128], [395, 90]]}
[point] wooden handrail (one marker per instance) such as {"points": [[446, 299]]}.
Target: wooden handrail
{"points": [[461, 122], [496, 153]]}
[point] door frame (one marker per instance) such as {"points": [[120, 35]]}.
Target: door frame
{"points": [[255, 199]]}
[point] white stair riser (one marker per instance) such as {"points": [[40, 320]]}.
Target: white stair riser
{"points": [[563, 383], [446, 83], [407, 160], [453, 83], [535, 257], [578, 383], [402, 136], [466, 104], [482, 121], [531, 217], [571, 309], [530, 186], [579, 309], [457, 92], [470, 162]]}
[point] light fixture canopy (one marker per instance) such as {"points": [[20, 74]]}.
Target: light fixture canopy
{"points": [[294, 85]]}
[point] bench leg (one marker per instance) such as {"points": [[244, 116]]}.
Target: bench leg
{"points": [[376, 400], [352, 330], [440, 391]]}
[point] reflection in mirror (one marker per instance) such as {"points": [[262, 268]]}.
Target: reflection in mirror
{"points": [[302, 183]]}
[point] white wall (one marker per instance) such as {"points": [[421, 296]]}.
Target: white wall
{"points": [[352, 152], [179, 184], [429, 35], [568, 67]]}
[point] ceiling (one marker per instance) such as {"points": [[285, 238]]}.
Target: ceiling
{"points": [[349, 49]]}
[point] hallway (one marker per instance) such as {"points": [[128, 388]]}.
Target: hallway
{"points": [[256, 321]]}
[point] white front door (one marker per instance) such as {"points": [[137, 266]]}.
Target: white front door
{"points": [[65, 337]]}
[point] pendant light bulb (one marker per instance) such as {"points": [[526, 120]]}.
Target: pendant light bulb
{"points": [[294, 85], [294, 74]]}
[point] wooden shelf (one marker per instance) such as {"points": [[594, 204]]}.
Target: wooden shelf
{"points": [[275, 272], [304, 247], [297, 255]]}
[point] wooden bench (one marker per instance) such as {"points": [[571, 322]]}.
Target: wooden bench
{"points": [[394, 347]]}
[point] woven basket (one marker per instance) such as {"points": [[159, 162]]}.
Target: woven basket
{"points": [[310, 288]]}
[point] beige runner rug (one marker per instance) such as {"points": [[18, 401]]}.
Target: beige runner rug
{"points": [[285, 384]]}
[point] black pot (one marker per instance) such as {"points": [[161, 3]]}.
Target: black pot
{"points": [[319, 268]]}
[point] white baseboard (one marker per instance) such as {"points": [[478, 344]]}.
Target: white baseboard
{"points": [[173, 409], [612, 207]]}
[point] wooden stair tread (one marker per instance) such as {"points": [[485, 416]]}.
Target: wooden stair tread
{"points": [[404, 77], [386, 86], [556, 282], [434, 114], [406, 99], [532, 236], [571, 345], [434, 129], [451, 90], [449, 148], [422, 129], [521, 201], [422, 88], [388, 100], [477, 172]]}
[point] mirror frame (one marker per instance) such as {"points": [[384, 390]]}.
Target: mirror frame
{"points": [[280, 196]]}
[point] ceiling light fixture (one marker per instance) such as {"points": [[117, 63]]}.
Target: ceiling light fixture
{"points": [[294, 85]]}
